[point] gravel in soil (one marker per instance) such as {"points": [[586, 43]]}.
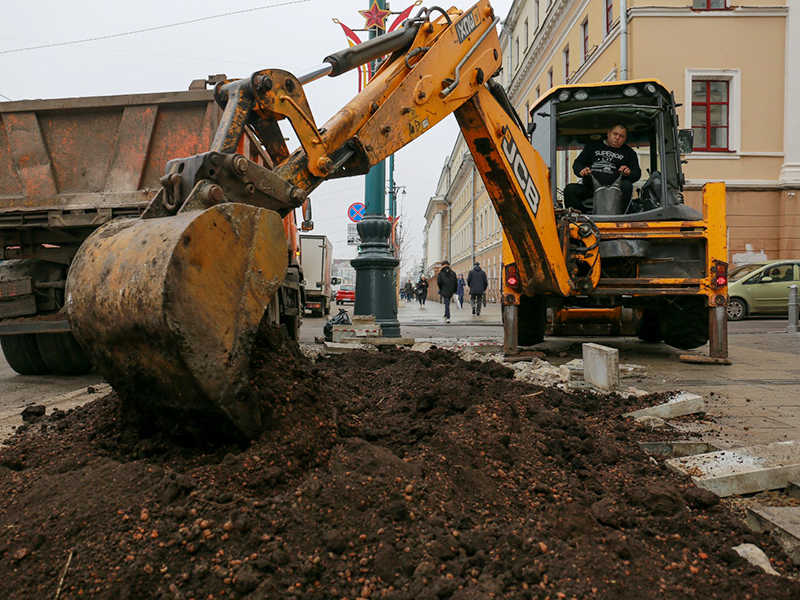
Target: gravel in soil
{"points": [[399, 475]]}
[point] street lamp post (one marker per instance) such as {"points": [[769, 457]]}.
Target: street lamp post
{"points": [[375, 265]]}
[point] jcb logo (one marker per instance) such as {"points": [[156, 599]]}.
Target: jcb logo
{"points": [[521, 172], [467, 24]]}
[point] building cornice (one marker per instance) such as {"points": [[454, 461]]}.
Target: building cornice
{"points": [[687, 11]]}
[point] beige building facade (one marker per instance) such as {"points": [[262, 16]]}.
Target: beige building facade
{"points": [[461, 224], [734, 69]]}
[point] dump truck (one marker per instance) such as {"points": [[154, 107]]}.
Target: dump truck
{"points": [[316, 259], [187, 286], [69, 166]]}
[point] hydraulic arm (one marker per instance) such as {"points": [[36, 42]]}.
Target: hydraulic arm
{"points": [[186, 286]]}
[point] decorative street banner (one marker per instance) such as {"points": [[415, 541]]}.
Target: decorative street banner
{"points": [[376, 19]]}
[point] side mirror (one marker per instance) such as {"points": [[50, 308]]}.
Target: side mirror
{"points": [[686, 140], [767, 279]]}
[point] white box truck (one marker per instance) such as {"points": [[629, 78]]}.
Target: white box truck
{"points": [[316, 258]]}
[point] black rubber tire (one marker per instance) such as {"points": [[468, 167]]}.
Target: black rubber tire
{"points": [[532, 317], [688, 323], [327, 310], [22, 354], [647, 324], [62, 354], [736, 309]]}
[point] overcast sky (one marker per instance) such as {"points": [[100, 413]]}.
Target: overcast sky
{"points": [[288, 34]]}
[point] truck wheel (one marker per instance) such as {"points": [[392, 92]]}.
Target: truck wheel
{"points": [[62, 354], [532, 317], [737, 309], [647, 325], [327, 308], [688, 319], [22, 354]]}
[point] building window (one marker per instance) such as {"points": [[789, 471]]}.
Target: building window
{"points": [[709, 4], [550, 78], [516, 51], [566, 64], [527, 114], [609, 15], [538, 92], [710, 114], [585, 38], [526, 34], [536, 15]]}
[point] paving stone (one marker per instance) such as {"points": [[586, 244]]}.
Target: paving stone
{"points": [[677, 448], [575, 367], [341, 333], [782, 522], [679, 405], [342, 348], [601, 366], [742, 470], [483, 347]]}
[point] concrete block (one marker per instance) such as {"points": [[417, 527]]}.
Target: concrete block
{"points": [[575, 367], [677, 448], [743, 470], [363, 320], [482, 347], [782, 522], [341, 333], [388, 341], [341, 348], [601, 366], [679, 405]]}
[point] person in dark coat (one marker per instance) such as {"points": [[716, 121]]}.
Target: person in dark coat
{"points": [[409, 290], [478, 284], [460, 292], [448, 284], [606, 161], [422, 290]]}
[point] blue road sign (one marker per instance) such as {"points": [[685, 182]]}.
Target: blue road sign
{"points": [[356, 211]]}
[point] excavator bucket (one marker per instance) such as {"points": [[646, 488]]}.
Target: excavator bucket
{"points": [[168, 308]]}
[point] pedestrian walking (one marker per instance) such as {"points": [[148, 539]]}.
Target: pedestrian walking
{"points": [[460, 292], [478, 284], [448, 284], [409, 290], [422, 291]]}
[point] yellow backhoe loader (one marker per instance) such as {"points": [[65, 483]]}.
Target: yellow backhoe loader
{"points": [[167, 305]]}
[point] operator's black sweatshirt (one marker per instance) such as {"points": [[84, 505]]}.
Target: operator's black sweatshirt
{"points": [[605, 161]]}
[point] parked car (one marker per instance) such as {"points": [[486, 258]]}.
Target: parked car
{"points": [[761, 288], [346, 293]]}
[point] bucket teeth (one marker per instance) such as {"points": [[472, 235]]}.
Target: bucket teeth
{"points": [[168, 308]]}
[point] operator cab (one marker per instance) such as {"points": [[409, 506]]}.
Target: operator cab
{"points": [[568, 117]]}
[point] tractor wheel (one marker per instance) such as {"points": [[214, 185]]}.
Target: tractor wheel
{"points": [[532, 318], [688, 322], [22, 354], [62, 354], [647, 324]]}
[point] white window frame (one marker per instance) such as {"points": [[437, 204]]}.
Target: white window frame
{"points": [[734, 79]]}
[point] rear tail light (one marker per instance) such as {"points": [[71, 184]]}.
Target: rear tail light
{"points": [[720, 272], [512, 276]]}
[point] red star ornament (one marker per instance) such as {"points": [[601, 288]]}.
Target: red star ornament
{"points": [[375, 16]]}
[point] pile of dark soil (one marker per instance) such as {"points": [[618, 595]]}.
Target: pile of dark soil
{"points": [[382, 475]]}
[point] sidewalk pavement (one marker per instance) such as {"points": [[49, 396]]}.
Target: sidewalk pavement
{"points": [[409, 313]]}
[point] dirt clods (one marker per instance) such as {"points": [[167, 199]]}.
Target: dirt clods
{"points": [[397, 475]]}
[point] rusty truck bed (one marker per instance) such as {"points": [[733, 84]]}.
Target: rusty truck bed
{"points": [[78, 162]]}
